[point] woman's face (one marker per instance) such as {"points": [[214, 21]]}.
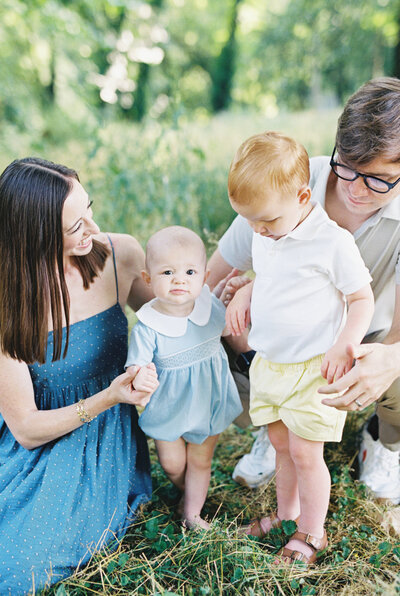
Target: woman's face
{"points": [[357, 198], [78, 225]]}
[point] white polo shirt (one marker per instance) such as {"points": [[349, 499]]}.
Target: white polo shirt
{"points": [[378, 240], [298, 305]]}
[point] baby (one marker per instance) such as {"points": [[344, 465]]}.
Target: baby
{"points": [[179, 331], [307, 269]]}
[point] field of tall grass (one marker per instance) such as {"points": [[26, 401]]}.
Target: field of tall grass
{"points": [[143, 178]]}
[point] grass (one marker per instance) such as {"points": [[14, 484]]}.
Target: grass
{"points": [[158, 556], [145, 177]]}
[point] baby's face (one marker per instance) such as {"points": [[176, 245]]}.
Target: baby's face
{"points": [[273, 215], [177, 276]]}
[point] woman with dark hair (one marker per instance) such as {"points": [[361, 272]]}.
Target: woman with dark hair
{"points": [[73, 463], [359, 187]]}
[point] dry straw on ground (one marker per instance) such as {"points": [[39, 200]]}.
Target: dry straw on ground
{"points": [[158, 557]]}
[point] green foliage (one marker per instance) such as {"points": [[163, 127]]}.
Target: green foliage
{"points": [[142, 178], [155, 58]]}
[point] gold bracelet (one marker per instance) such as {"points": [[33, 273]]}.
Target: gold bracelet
{"points": [[83, 415]]}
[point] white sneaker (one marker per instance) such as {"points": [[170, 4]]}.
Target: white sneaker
{"points": [[379, 468], [257, 467]]}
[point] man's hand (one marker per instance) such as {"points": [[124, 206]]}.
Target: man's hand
{"points": [[376, 367]]}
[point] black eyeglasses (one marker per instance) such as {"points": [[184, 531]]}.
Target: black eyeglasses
{"points": [[373, 183]]}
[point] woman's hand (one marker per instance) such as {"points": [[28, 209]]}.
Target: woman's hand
{"points": [[122, 390], [376, 367]]}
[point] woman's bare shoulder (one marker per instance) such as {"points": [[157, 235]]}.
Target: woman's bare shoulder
{"points": [[128, 251]]}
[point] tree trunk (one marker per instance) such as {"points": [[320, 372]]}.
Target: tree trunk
{"points": [[224, 68]]}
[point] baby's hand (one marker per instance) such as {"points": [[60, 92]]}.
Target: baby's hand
{"points": [[232, 286], [238, 311], [336, 363], [146, 379]]}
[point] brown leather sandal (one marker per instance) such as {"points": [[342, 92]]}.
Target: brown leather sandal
{"points": [[255, 528], [289, 555]]}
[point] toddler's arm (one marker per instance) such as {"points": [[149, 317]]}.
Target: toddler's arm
{"points": [[146, 379], [238, 310], [337, 361]]}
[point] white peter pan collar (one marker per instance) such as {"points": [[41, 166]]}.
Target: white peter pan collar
{"points": [[176, 326]]}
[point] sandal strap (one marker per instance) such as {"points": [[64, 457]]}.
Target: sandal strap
{"points": [[315, 543], [294, 555], [274, 519], [256, 524]]}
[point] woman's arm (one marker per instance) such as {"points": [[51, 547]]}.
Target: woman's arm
{"points": [[129, 257], [32, 427]]}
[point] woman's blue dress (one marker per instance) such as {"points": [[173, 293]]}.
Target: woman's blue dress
{"points": [[60, 502]]}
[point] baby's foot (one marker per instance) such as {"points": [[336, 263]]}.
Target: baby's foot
{"points": [[195, 523]]}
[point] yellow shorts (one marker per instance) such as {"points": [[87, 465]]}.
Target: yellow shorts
{"points": [[288, 392]]}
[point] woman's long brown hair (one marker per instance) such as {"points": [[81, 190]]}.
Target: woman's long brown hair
{"points": [[32, 281]]}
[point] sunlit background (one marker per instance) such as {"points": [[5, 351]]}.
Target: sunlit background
{"points": [[148, 100]]}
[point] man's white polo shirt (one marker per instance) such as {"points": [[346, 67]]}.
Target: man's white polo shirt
{"points": [[297, 306]]}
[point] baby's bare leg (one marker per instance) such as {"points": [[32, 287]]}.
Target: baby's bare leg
{"points": [[172, 457], [197, 480]]}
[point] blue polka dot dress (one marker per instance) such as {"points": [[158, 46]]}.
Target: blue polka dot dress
{"points": [[61, 502]]}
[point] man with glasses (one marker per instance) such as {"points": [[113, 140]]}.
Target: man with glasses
{"points": [[358, 187]]}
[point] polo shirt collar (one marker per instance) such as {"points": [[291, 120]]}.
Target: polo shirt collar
{"points": [[392, 209], [309, 226], [177, 326]]}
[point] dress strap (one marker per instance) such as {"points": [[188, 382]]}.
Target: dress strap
{"points": [[115, 266]]}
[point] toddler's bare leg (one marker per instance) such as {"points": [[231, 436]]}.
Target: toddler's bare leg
{"points": [[197, 480], [287, 493], [286, 481], [314, 488], [172, 457]]}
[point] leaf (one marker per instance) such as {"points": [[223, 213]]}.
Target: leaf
{"points": [[123, 559], [308, 591], [124, 580], [289, 527], [238, 573], [61, 591], [385, 547], [112, 566], [151, 530]]}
